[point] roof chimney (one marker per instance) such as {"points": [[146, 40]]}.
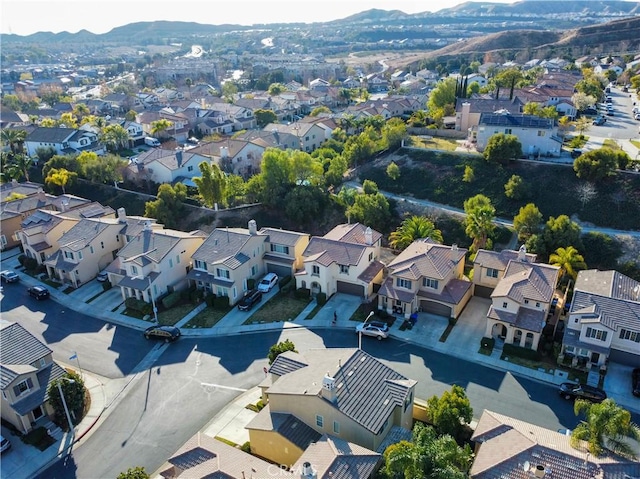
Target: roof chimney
{"points": [[179, 158], [329, 388], [308, 472], [454, 247], [522, 253], [122, 215], [253, 227], [539, 471], [147, 225], [368, 236]]}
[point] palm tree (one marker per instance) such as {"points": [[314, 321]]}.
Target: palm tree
{"points": [[568, 260], [479, 221], [13, 138], [160, 126], [189, 83], [414, 228], [18, 166], [606, 427]]}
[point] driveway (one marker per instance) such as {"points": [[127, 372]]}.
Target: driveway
{"points": [[470, 327], [617, 383]]}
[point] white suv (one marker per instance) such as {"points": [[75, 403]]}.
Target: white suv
{"points": [[268, 282]]}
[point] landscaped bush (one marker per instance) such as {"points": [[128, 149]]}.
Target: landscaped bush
{"points": [[246, 447], [138, 305], [30, 264], [171, 300], [251, 283], [221, 302], [21, 259], [303, 293], [511, 350], [106, 286], [321, 298], [210, 299], [196, 295], [487, 343], [284, 280], [287, 288]]}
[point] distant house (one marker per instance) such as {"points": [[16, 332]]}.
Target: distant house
{"points": [[27, 368], [238, 156], [604, 320], [309, 135], [469, 110], [345, 260], [426, 276], [165, 166], [538, 136], [64, 140], [510, 448]]}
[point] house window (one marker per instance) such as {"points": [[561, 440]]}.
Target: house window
{"points": [[504, 305], [43, 362], [630, 335], [22, 387], [3, 240], [507, 131], [541, 133], [537, 305], [277, 248], [170, 263], [319, 420], [134, 270], [403, 283], [526, 301], [91, 249], [492, 273], [315, 270], [430, 283], [371, 256], [79, 254], [344, 269], [222, 291], [102, 244], [596, 334], [177, 259], [336, 427], [190, 168], [68, 254], [254, 270], [222, 273], [201, 265]]}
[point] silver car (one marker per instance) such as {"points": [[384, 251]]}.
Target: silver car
{"points": [[374, 329]]}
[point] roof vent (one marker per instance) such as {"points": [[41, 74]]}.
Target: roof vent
{"points": [[539, 471]]}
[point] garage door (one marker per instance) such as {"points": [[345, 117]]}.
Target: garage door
{"points": [[350, 288], [435, 308], [623, 357], [278, 269], [482, 291]]}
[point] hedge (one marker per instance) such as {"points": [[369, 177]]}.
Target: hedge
{"points": [[171, 300], [195, 295], [303, 293], [138, 305], [106, 286], [321, 298], [287, 288], [284, 280], [511, 350], [487, 343], [210, 299]]}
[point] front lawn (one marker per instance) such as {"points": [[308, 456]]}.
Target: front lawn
{"points": [[171, 316], [38, 437], [281, 307], [208, 317], [433, 143]]}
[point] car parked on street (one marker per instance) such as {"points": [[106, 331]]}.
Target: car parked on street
{"points": [[374, 329], [38, 292], [635, 382], [576, 153], [581, 391], [4, 444], [268, 282], [250, 298], [601, 120], [9, 276], [166, 333]]}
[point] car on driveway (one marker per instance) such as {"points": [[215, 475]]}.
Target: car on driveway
{"points": [[635, 382], [102, 276], [166, 333], [250, 298], [581, 391], [38, 292], [268, 282], [374, 329], [9, 276]]}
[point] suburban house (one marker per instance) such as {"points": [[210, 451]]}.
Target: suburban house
{"points": [[604, 320], [165, 166], [309, 135], [42, 230], [242, 157], [342, 392], [155, 262], [489, 267], [510, 448], [345, 260], [227, 260], [27, 368], [468, 110], [283, 251], [179, 128], [64, 140], [135, 131], [521, 301], [427, 277], [538, 136]]}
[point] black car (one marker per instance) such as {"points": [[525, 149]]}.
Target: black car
{"points": [[581, 391], [576, 153], [635, 382], [249, 299], [38, 292], [167, 333]]}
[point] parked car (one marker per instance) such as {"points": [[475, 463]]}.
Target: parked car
{"points": [[576, 153], [268, 282], [635, 382], [38, 292], [565, 432], [9, 276], [4, 444], [102, 276], [374, 329], [637, 116], [581, 391], [249, 299], [610, 113], [601, 120], [167, 333]]}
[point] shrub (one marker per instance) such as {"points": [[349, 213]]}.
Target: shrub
{"points": [[511, 350], [246, 447], [221, 302], [287, 288], [21, 259], [303, 293], [195, 295], [251, 283], [138, 305], [260, 405], [30, 264], [106, 286], [171, 300], [487, 343], [210, 299], [284, 280], [321, 298]]}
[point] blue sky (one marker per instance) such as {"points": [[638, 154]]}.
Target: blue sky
{"points": [[24, 17]]}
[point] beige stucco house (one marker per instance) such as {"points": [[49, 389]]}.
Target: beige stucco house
{"points": [[165, 166], [27, 369], [489, 267], [427, 277], [604, 320], [345, 260], [345, 393]]}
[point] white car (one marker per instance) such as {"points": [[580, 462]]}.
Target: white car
{"points": [[9, 276], [4, 444], [268, 282], [374, 329]]}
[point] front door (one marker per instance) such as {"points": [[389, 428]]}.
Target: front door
{"points": [[595, 357], [37, 413]]}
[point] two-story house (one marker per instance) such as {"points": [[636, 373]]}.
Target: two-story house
{"points": [[165, 166], [155, 262], [345, 260], [242, 157], [309, 135], [64, 140], [489, 267], [283, 251], [468, 110], [27, 369], [604, 320], [521, 301], [345, 393], [427, 277]]}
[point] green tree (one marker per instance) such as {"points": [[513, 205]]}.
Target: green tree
{"points": [[568, 260], [115, 137], [508, 78], [279, 348], [60, 177], [13, 138], [601, 251], [606, 427], [130, 115], [319, 109], [264, 117], [304, 204], [236, 189], [277, 176], [502, 148], [558, 233], [168, 206], [104, 169], [358, 148], [305, 169], [336, 170], [596, 165], [451, 412], [414, 228], [480, 214], [211, 185], [160, 127], [516, 188], [45, 153], [393, 132], [369, 187], [68, 162], [442, 98], [582, 124], [371, 210], [393, 171], [134, 473], [72, 386], [229, 90], [528, 221], [469, 175], [276, 88], [18, 166], [189, 83], [582, 101]]}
